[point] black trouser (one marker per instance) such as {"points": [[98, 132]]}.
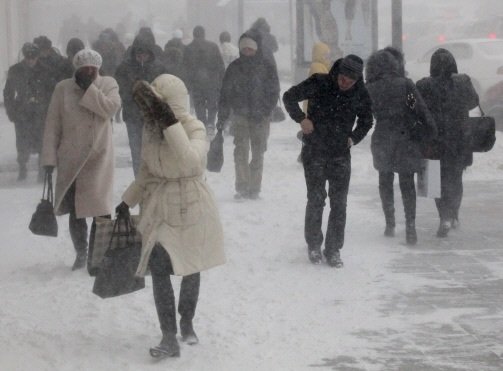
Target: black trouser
{"points": [[28, 140], [408, 190], [161, 269], [78, 226], [317, 171], [206, 105], [451, 190]]}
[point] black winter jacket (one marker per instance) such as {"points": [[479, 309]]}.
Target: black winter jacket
{"points": [[129, 71], [391, 145], [332, 111], [204, 65], [250, 87], [27, 92], [449, 96]]}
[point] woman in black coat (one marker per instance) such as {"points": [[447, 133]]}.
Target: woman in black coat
{"points": [[449, 96], [393, 150]]}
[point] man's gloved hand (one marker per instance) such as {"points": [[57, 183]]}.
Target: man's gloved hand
{"points": [[122, 209], [49, 169], [85, 77], [152, 105]]}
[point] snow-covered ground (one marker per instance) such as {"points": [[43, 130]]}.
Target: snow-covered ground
{"points": [[268, 308]]}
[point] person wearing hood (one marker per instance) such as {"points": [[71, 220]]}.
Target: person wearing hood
{"points": [[176, 41], [74, 46], [205, 69], [111, 50], [179, 221], [250, 90], [329, 132], [26, 99], [50, 59], [268, 41], [140, 63], [449, 96], [78, 142], [392, 146]]}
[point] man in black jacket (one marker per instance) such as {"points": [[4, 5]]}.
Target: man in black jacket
{"points": [[335, 100], [205, 69], [250, 90], [27, 94], [140, 64]]}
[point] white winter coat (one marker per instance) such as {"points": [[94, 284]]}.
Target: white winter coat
{"points": [[177, 208]]}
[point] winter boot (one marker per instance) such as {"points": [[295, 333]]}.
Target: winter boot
{"points": [[188, 334], [168, 347], [389, 231], [455, 223], [334, 260], [314, 255], [410, 233], [443, 228], [80, 260]]}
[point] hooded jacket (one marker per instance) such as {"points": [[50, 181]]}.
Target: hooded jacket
{"points": [[392, 148], [449, 96], [177, 208], [332, 111], [250, 87], [131, 70]]}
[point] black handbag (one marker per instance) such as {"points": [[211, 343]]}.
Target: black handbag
{"points": [[116, 275], [43, 221], [479, 133], [215, 158]]}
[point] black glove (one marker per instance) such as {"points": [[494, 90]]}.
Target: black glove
{"points": [[49, 169], [84, 79], [122, 209], [152, 105]]}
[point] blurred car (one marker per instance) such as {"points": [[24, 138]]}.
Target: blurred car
{"points": [[481, 59]]}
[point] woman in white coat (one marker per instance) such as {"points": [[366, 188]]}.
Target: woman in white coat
{"points": [[78, 141], [179, 221]]}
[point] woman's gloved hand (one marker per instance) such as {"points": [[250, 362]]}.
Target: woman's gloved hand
{"points": [[152, 105], [122, 209]]}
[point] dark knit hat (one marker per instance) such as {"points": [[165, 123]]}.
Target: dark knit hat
{"points": [[43, 42], [30, 50], [352, 67]]}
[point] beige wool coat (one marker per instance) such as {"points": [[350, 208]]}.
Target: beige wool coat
{"points": [[177, 208], [78, 141]]}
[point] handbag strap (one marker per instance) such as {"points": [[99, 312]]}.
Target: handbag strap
{"points": [[47, 192], [129, 230], [482, 113]]}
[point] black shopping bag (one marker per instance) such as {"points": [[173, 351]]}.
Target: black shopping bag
{"points": [[99, 241], [116, 275], [216, 153], [43, 221], [479, 133]]}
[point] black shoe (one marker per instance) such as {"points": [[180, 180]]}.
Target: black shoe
{"points": [[168, 347], [314, 256], [80, 261], [455, 223], [240, 196], [410, 235], [443, 228], [389, 231], [188, 334], [334, 260]]}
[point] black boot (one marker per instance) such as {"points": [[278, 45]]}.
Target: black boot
{"points": [[314, 255], [22, 173], [410, 233], [334, 260], [443, 228], [188, 334], [80, 260]]}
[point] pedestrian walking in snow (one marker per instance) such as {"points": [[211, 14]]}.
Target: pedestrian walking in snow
{"points": [[179, 222], [268, 40], [449, 96], [205, 69], [73, 47], [78, 142], [26, 98], [229, 51], [111, 50], [393, 148], [250, 91], [140, 64], [329, 132]]}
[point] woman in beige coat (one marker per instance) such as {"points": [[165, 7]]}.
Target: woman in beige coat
{"points": [[78, 141], [179, 221]]}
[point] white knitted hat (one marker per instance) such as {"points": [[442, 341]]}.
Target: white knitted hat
{"points": [[87, 58]]}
